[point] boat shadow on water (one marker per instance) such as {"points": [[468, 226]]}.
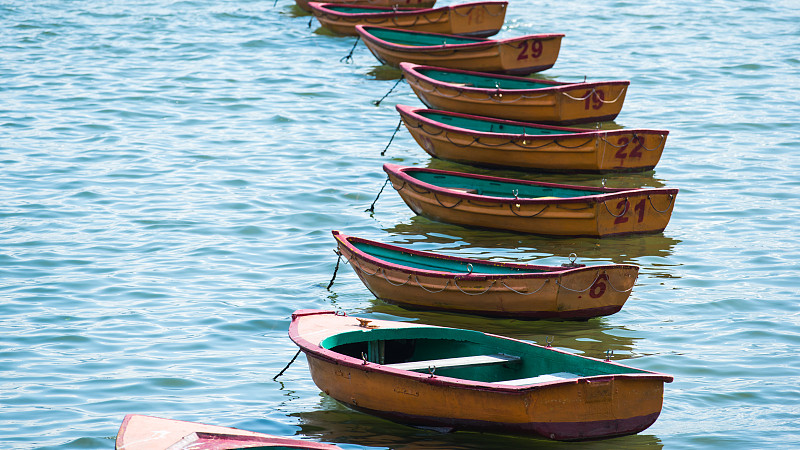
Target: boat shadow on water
{"points": [[336, 423], [529, 248]]}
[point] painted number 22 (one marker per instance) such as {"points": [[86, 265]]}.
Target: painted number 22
{"points": [[636, 152], [622, 207], [532, 49]]}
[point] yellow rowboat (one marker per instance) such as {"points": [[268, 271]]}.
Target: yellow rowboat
{"points": [[422, 4], [531, 206], [424, 280], [515, 98], [520, 55], [483, 141], [468, 380], [139, 432], [481, 19]]}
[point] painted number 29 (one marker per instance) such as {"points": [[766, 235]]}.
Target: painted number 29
{"points": [[532, 49], [594, 99], [622, 207], [636, 152]]}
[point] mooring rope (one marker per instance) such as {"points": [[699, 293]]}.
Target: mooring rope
{"points": [[485, 9], [335, 269], [525, 293], [371, 209], [511, 207], [671, 199], [608, 281], [443, 205], [349, 58], [378, 102], [392, 138], [287, 366], [660, 142], [627, 203], [594, 92]]}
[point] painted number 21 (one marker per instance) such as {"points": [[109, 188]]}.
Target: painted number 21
{"points": [[532, 49], [622, 207]]}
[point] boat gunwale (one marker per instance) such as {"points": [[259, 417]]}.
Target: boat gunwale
{"points": [[479, 44], [575, 132], [603, 193], [384, 11], [439, 380], [549, 271], [556, 86]]}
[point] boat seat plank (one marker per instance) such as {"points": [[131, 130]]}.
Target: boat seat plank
{"points": [[462, 361], [539, 379]]}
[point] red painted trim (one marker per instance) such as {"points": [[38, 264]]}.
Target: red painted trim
{"points": [[603, 194], [552, 271], [315, 351], [413, 70], [412, 112], [388, 11], [364, 32]]}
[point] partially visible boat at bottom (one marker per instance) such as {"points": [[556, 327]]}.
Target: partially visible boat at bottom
{"points": [[467, 380], [140, 432]]}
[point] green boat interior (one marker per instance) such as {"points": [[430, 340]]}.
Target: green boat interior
{"points": [[419, 39], [433, 263], [487, 126], [492, 188], [484, 82], [465, 354], [356, 10]]}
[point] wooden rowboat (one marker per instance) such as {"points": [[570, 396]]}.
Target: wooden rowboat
{"points": [[424, 280], [515, 98], [531, 206], [489, 142], [468, 380], [481, 19], [420, 4], [140, 432], [520, 55]]}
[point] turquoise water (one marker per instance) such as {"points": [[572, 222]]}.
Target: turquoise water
{"points": [[171, 171]]}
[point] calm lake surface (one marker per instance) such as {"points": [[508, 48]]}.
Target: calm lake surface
{"points": [[171, 172]]}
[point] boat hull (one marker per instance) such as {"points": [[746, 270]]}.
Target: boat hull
{"points": [[563, 103], [576, 293], [510, 56], [579, 150], [139, 432], [586, 408], [633, 211], [480, 19], [422, 4]]}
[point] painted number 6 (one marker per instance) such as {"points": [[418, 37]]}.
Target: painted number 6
{"points": [[599, 287], [532, 49]]}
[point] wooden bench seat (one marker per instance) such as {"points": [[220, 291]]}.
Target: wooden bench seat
{"points": [[462, 361], [539, 379]]}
